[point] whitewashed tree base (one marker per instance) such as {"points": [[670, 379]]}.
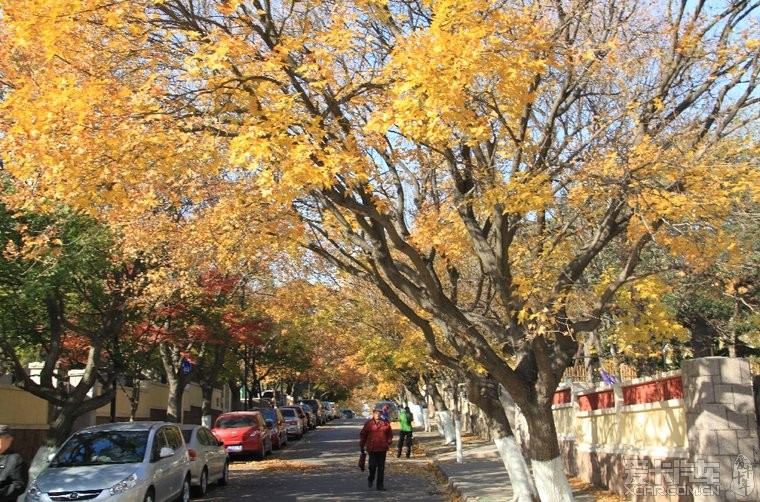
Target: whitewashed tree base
{"points": [[446, 422], [550, 477], [517, 468]]}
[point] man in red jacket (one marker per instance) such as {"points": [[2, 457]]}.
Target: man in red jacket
{"points": [[375, 438]]}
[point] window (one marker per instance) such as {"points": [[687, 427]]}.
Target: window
{"points": [[205, 437], [103, 447], [173, 437]]}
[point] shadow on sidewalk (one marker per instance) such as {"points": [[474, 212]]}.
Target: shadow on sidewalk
{"points": [[482, 477]]}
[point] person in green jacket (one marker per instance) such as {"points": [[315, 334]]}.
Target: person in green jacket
{"points": [[406, 418]]}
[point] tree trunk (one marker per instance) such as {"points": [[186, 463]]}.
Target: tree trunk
{"points": [[546, 460], [484, 393], [444, 418], [236, 404], [177, 379], [445, 421], [62, 427], [134, 400], [174, 402], [209, 378], [432, 390], [207, 392]]}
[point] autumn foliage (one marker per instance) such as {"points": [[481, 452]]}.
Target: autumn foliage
{"points": [[498, 171]]}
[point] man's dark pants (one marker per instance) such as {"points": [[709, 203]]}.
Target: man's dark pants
{"points": [[405, 436], [376, 465]]}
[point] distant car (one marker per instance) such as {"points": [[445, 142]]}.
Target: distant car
{"points": [[329, 410], [392, 409], [278, 427], [311, 416], [336, 410], [122, 461], [244, 433], [317, 408], [304, 416], [346, 413], [209, 461], [297, 423]]}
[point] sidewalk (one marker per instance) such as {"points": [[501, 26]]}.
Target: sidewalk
{"points": [[481, 477]]}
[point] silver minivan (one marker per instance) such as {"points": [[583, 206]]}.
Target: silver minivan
{"points": [[124, 462]]}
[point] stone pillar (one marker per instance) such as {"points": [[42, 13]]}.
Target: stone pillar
{"points": [[720, 420]]}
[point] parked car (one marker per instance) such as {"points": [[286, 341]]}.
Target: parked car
{"points": [[317, 408], [123, 461], [297, 423], [328, 409], [277, 426], [392, 409], [348, 413], [303, 415], [311, 416], [209, 461], [244, 433], [335, 410]]}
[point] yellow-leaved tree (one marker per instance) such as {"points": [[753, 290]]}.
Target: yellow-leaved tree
{"points": [[478, 162]]}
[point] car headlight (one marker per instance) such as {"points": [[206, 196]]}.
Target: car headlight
{"points": [[124, 485], [33, 493]]}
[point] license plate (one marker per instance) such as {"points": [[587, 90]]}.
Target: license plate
{"points": [[236, 447]]}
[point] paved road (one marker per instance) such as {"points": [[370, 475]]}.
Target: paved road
{"points": [[323, 466]]}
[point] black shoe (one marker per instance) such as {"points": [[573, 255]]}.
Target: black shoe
{"points": [[381, 488], [369, 482], [398, 455]]}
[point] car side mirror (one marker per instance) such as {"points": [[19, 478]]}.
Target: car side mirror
{"points": [[165, 452]]}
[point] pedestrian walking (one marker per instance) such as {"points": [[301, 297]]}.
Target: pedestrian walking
{"points": [[375, 439], [406, 419], [384, 412], [13, 470]]}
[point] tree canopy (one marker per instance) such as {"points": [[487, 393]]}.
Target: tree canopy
{"points": [[498, 169]]}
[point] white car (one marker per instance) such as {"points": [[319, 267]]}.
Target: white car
{"points": [[123, 462], [209, 461]]}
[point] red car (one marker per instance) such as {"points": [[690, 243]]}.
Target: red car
{"points": [[244, 433], [277, 426]]}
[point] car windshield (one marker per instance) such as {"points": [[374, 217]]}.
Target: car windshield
{"points": [[235, 422], [102, 447], [287, 412]]}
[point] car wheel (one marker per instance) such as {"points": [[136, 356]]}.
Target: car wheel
{"points": [[148, 496], [259, 455], [271, 446], [285, 441], [202, 487], [225, 475], [184, 495]]}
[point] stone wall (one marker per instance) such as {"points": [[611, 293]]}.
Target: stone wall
{"points": [[689, 435], [29, 414], [722, 427]]}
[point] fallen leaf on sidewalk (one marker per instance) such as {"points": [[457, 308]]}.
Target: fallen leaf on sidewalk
{"points": [[599, 494]]}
